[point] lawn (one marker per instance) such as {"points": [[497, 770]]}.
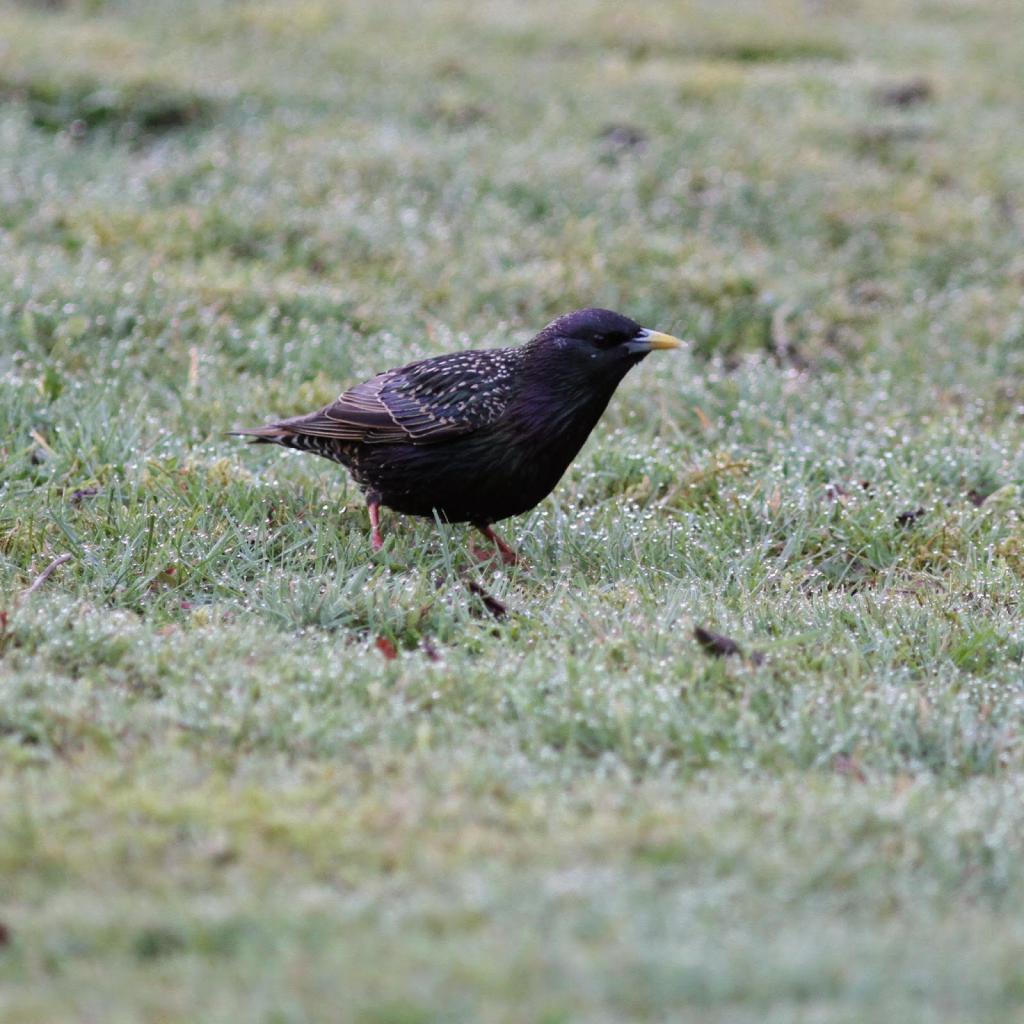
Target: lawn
{"points": [[251, 771]]}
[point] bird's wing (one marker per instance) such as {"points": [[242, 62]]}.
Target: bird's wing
{"points": [[432, 400]]}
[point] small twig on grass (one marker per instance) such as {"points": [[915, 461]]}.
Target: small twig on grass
{"points": [[497, 608], [45, 575], [77, 497], [41, 441]]}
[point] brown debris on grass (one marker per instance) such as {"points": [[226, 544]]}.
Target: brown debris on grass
{"points": [[126, 111], [907, 93], [718, 645], [497, 608]]}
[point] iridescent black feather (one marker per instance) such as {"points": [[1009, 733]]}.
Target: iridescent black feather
{"points": [[474, 436]]}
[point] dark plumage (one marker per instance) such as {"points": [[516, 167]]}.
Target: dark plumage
{"points": [[480, 435]]}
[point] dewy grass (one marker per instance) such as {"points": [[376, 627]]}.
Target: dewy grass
{"points": [[251, 771]]}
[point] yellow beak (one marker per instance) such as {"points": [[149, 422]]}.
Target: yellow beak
{"points": [[658, 340]]}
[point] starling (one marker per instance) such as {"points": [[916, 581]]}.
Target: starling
{"points": [[475, 436]]}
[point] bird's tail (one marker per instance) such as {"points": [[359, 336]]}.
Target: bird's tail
{"points": [[272, 434]]}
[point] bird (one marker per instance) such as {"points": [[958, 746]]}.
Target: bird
{"points": [[475, 436]]}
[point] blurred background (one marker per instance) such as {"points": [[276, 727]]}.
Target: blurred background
{"points": [[278, 174]]}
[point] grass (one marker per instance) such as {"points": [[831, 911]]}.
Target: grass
{"points": [[223, 799]]}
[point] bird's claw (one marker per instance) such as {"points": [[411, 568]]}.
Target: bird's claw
{"points": [[505, 554]]}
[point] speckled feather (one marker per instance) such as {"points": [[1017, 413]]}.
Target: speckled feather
{"points": [[424, 402]]}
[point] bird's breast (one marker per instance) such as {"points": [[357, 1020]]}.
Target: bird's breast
{"points": [[487, 475]]}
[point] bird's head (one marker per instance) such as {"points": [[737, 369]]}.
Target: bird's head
{"points": [[596, 345]]}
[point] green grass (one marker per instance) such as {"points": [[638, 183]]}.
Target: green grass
{"points": [[221, 801]]}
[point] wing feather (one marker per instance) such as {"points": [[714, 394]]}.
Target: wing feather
{"points": [[425, 402]]}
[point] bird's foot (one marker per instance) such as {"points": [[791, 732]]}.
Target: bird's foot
{"points": [[482, 555], [506, 554]]}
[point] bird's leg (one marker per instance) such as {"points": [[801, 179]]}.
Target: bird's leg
{"points": [[376, 541], [506, 553]]}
